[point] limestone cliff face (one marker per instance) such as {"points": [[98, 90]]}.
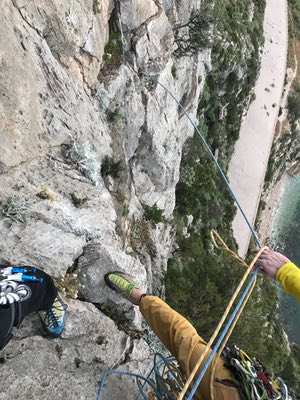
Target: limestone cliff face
{"points": [[90, 149]]}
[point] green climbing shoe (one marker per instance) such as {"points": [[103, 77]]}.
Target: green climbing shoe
{"points": [[120, 283]]}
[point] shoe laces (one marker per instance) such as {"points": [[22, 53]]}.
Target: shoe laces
{"points": [[55, 314]]}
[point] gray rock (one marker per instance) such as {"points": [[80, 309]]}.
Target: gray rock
{"points": [[42, 245], [154, 44], [185, 8], [97, 260], [134, 13], [156, 165], [38, 368], [59, 119], [74, 34], [123, 95], [140, 361]]}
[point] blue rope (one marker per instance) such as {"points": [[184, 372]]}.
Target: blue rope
{"points": [[232, 317], [256, 238], [121, 373], [213, 158], [216, 347], [139, 378]]}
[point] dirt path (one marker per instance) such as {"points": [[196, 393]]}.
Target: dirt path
{"points": [[248, 165]]}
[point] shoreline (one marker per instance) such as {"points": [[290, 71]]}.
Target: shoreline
{"points": [[266, 219], [272, 197], [249, 163]]}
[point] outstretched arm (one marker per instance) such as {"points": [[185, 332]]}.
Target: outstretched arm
{"points": [[277, 266]]}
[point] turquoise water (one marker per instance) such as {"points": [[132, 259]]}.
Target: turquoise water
{"points": [[286, 238]]}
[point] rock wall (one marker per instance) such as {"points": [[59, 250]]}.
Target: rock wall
{"points": [[89, 141]]}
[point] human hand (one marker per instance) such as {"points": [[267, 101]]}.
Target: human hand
{"points": [[270, 262]]}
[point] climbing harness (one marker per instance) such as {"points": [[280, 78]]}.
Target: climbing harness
{"points": [[12, 284], [13, 291], [253, 380]]}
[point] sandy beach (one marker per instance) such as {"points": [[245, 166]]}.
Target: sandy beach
{"points": [[249, 163]]}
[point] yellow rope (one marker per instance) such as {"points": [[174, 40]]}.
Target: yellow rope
{"points": [[217, 238], [212, 377], [223, 246]]}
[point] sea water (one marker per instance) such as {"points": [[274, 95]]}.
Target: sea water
{"points": [[286, 239]]}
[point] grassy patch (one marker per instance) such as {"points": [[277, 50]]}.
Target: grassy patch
{"points": [[78, 199], [46, 194], [113, 50], [83, 157], [125, 210], [16, 209]]}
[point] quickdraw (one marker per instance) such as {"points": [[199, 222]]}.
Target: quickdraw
{"points": [[253, 380]]}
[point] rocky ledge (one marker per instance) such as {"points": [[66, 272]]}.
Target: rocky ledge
{"points": [[90, 153]]}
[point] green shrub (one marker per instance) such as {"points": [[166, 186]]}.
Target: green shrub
{"points": [[125, 210], [84, 158], [294, 6], [197, 33], [114, 48], [15, 208], [294, 105], [153, 214], [110, 168], [114, 116]]}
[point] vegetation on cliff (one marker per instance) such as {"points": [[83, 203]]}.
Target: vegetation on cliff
{"points": [[200, 280], [294, 8]]}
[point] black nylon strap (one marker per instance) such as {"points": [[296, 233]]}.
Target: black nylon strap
{"points": [[9, 335]]}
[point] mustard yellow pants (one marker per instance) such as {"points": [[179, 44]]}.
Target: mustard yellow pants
{"points": [[184, 343]]}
